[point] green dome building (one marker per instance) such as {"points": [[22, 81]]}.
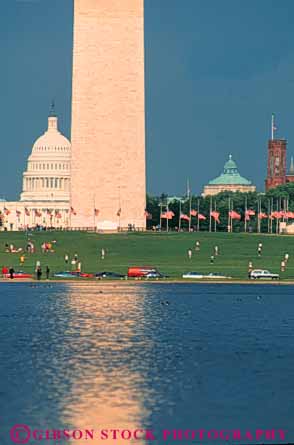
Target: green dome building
{"points": [[229, 181]]}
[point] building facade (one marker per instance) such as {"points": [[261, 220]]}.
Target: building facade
{"points": [[45, 196], [229, 181], [277, 164], [108, 115]]}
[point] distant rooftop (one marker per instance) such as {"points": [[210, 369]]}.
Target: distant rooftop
{"points": [[230, 176]]}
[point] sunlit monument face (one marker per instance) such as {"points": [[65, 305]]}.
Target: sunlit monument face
{"points": [[108, 114]]}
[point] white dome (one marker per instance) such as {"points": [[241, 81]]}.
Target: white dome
{"points": [[47, 177], [52, 140]]}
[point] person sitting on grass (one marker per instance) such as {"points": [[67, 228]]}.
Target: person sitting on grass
{"points": [[5, 271]]}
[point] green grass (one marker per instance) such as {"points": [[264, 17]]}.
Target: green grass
{"points": [[167, 252]]}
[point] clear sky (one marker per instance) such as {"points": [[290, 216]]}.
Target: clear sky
{"points": [[215, 71]]}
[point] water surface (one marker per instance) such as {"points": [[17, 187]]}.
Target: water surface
{"points": [[174, 356]]}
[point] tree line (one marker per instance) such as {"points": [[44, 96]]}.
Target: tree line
{"points": [[263, 218]]}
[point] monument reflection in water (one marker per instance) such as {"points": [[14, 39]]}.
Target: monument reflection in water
{"points": [[106, 339]]}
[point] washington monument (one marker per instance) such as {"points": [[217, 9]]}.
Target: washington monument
{"points": [[108, 187]]}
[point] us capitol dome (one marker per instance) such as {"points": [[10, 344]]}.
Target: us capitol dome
{"points": [[47, 177], [45, 196]]}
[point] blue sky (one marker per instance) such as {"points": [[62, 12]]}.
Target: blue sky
{"points": [[215, 71]]}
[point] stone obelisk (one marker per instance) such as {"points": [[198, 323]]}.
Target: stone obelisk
{"points": [[108, 185]]}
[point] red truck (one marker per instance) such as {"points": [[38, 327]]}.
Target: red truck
{"points": [[141, 271]]}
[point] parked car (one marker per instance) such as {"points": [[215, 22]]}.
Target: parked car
{"points": [[19, 275], [73, 274], [141, 271], [199, 276], [155, 274], [193, 275], [264, 275], [110, 275], [64, 275]]}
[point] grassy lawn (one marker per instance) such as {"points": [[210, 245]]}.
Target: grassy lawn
{"points": [[167, 252]]}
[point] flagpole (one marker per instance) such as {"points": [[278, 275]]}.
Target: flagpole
{"points": [[210, 210], [273, 127], [232, 206], [245, 225], [215, 218], [268, 214], [94, 210], [229, 216], [188, 188], [190, 205], [119, 207], [167, 215], [198, 206], [180, 211], [258, 211], [160, 206]]}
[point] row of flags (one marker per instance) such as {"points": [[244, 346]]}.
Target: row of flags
{"points": [[96, 211], [37, 213], [169, 214], [57, 213], [232, 214]]}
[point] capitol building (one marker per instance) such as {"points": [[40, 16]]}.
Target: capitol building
{"points": [[45, 196]]}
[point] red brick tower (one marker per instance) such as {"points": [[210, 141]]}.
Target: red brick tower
{"points": [[276, 164], [276, 161]]}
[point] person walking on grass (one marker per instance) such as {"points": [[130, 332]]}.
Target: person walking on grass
{"points": [[47, 272], [197, 246], [259, 249], [102, 253], [190, 254], [11, 273], [212, 259], [216, 251], [283, 266], [286, 257], [66, 258], [39, 273], [21, 260], [250, 268], [73, 264]]}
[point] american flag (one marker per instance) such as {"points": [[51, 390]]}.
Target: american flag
{"points": [[147, 214], [185, 217], [262, 215], [215, 215], [234, 215]]}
